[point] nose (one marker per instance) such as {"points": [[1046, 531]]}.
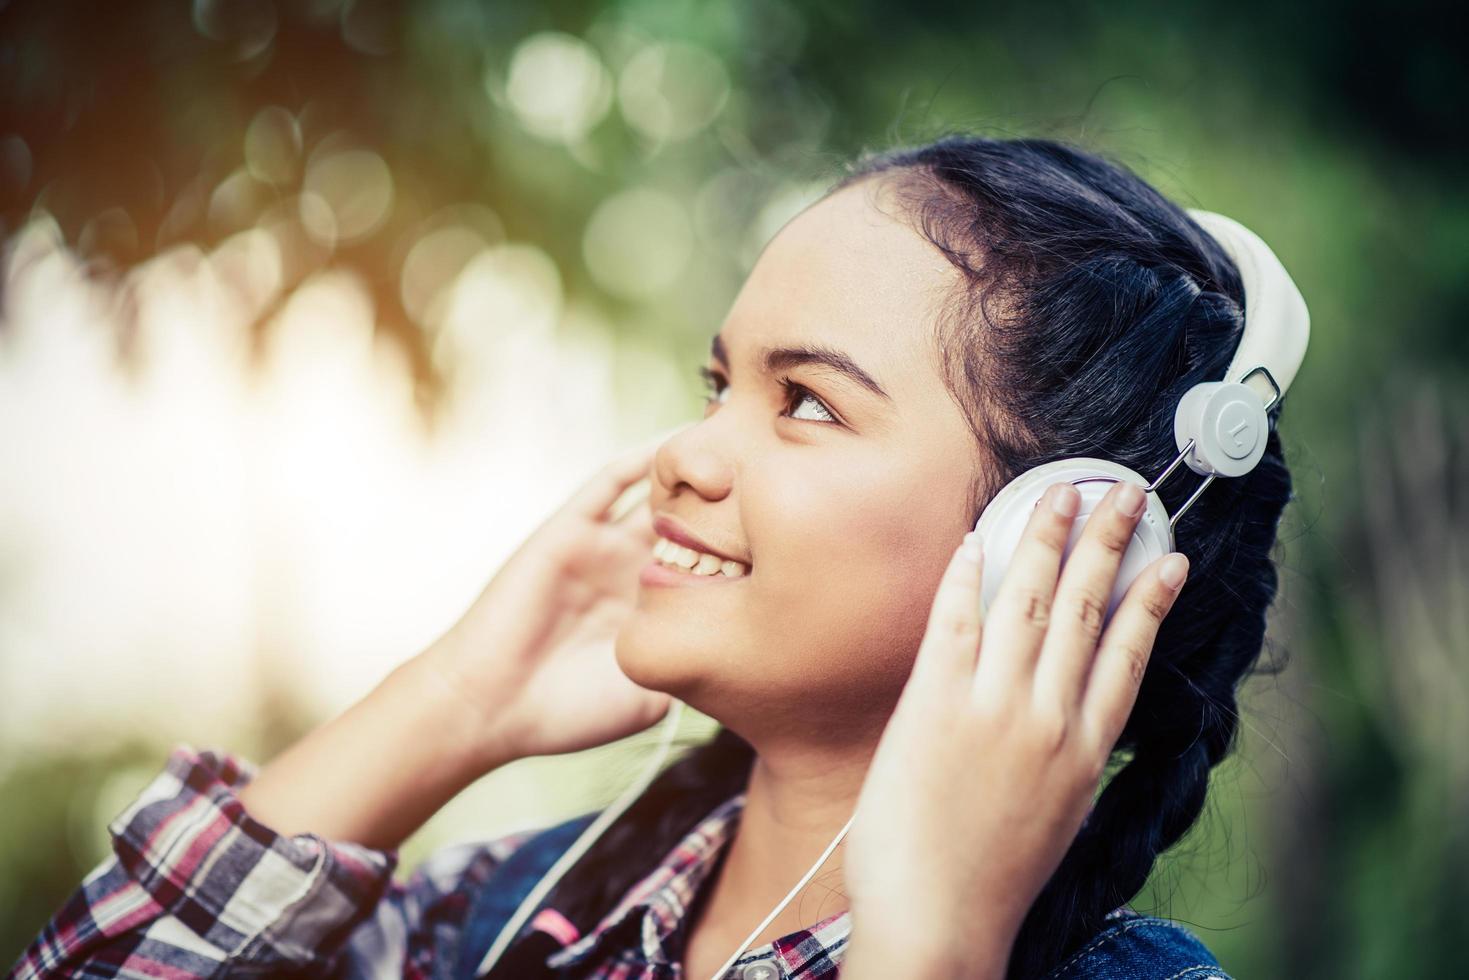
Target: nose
{"points": [[695, 455]]}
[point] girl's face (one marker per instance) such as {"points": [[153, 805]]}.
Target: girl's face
{"points": [[844, 496]]}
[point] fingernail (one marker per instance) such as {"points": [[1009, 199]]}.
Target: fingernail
{"points": [[971, 547], [1130, 500], [1174, 570], [1065, 499]]}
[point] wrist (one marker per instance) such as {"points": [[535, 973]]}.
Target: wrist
{"points": [[875, 960], [469, 743], [376, 772], [928, 951]]}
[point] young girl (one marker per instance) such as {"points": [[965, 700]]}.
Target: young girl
{"points": [[944, 319]]}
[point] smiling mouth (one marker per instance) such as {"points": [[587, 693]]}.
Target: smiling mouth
{"points": [[675, 556]]}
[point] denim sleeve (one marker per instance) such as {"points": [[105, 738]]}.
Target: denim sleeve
{"points": [[195, 887], [1141, 947]]}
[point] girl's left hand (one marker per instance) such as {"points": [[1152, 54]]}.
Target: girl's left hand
{"points": [[992, 757]]}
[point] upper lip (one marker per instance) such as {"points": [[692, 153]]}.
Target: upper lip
{"points": [[671, 529]]}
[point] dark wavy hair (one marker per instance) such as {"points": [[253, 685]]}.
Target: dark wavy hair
{"points": [[1088, 304]]}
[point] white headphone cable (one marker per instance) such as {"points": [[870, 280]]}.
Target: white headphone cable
{"points": [[604, 819], [585, 841], [787, 900]]}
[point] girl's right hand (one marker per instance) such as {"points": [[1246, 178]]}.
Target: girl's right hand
{"points": [[531, 661]]}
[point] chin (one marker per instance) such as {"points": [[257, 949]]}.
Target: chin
{"points": [[660, 659]]}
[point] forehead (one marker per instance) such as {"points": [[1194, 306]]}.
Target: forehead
{"points": [[849, 272]]}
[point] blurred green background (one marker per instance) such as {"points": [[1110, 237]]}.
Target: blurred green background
{"points": [[312, 311]]}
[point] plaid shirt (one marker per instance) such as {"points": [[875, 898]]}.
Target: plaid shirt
{"points": [[195, 886]]}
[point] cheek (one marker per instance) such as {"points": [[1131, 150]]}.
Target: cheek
{"points": [[847, 564]]}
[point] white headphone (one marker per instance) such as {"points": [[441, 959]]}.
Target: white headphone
{"points": [[1220, 428]]}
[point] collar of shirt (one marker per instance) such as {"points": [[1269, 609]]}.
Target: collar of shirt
{"points": [[658, 903]]}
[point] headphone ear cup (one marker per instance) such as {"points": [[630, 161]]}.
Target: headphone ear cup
{"points": [[1003, 521]]}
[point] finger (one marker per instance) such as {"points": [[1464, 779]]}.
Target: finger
{"points": [[1021, 611], [950, 644], [1125, 649], [637, 524], [1087, 578], [630, 500], [599, 493]]}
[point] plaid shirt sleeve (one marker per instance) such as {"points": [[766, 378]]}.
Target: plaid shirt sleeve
{"points": [[197, 888]]}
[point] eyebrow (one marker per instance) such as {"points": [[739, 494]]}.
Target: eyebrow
{"points": [[781, 358]]}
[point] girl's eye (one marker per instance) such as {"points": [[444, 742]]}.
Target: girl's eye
{"points": [[795, 395]]}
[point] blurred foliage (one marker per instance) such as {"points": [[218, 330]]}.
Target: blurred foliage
{"points": [[354, 129]]}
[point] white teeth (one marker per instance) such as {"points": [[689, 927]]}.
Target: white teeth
{"points": [[696, 562]]}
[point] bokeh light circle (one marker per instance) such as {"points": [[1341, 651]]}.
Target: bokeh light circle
{"points": [[273, 146], [671, 90], [432, 265], [506, 296], [248, 25], [236, 203], [357, 187], [557, 86], [318, 219], [637, 243]]}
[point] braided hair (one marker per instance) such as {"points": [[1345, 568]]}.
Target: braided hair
{"points": [[1087, 305]]}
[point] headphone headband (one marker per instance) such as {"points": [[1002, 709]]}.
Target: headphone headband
{"points": [[1277, 324]]}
